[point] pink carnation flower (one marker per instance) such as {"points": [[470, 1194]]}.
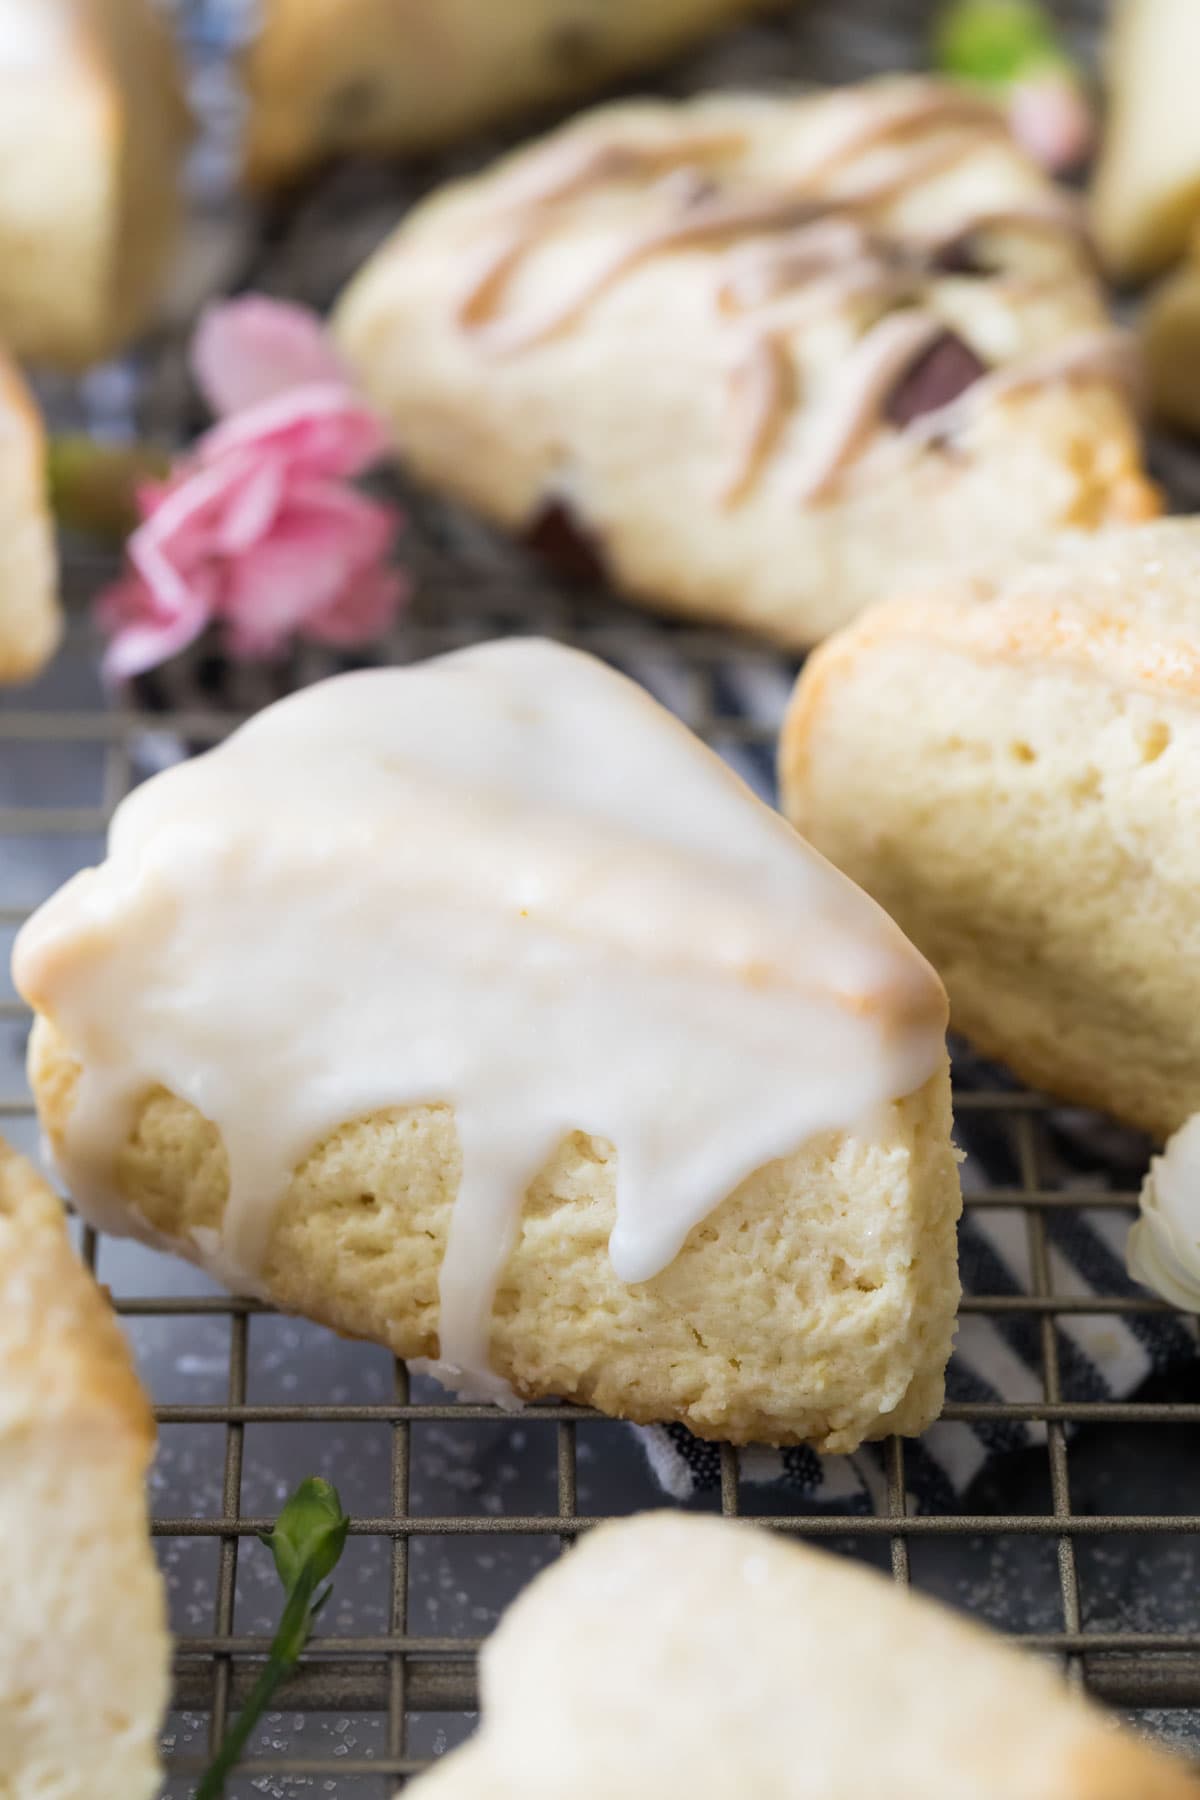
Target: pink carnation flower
{"points": [[258, 528]]}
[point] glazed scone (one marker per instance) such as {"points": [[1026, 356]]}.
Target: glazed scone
{"points": [[1010, 770], [478, 1010], [93, 128], [30, 621], [772, 356], [676, 1654], [328, 76], [84, 1655]]}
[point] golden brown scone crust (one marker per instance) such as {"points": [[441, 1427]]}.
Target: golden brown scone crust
{"points": [[625, 416], [1010, 769], [30, 621], [404, 76], [679, 1653], [815, 1304], [84, 1657], [92, 138]]}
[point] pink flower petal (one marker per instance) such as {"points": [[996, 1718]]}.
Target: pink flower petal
{"points": [[362, 611], [321, 431], [163, 550], [249, 350], [249, 507], [142, 636], [322, 541]]}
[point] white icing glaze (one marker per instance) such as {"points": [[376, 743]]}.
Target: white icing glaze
{"points": [[1164, 1246], [32, 35], [505, 880]]}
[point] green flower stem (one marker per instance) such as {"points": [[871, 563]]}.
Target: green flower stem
{"points": [[93, 486], [306, 1543]]}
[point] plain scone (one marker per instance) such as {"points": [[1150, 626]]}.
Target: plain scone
{"points": [[84, 1654], [815, 1304], [93, 127], [674, 1654], [30, 622], [328, 76], [737, 420], [1010, 769]]}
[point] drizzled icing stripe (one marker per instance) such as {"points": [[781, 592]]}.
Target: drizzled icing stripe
{"points": [[810, 251], [506, 881]]}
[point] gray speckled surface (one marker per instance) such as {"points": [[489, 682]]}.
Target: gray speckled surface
{"points": [[458, 1586]]}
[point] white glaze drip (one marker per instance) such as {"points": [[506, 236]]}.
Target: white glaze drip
{"points": [[1164, 1246], [505, 880]]}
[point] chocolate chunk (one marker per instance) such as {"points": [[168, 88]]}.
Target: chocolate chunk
{"points": [[561, 539], [960, 256], [946, 370]]}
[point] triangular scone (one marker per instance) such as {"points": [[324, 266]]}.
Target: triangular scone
{"points": [[1146, 187], [84, 1653], [769, 356], [479, 1010], [30, 622], [92, 132], [1011, 770], [328, 76], [674, 1654]]}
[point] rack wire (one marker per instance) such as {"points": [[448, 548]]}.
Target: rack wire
{"points": [[1084, 1546]]}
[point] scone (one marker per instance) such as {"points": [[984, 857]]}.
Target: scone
{"points": [[327, 76], [30, 623], [770, 355], [479, 1010], [674, 1654], [92, 131], [84, 1654], [1011, 770], [1146, 191]]}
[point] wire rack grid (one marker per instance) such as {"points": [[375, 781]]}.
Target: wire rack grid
{"points": [[407, 1690]]}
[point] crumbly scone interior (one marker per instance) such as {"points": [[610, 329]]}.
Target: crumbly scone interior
{"points": [[845, 1251]]}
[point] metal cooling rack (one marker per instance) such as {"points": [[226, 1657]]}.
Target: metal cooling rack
{"points": [[1086, 1546]]}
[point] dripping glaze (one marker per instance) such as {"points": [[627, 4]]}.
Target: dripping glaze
{"points": [[506, 880]]}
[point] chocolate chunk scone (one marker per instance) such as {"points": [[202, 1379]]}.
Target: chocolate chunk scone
{"points": [[772, 355]]}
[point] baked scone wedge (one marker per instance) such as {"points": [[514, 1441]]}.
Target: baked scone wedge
{"points": [[329, 76], [1146, 192], [771, 355], [84, 1655], [1010, 770], [479, 1010], [30, 620], [93, 127], [678, 1654]]}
